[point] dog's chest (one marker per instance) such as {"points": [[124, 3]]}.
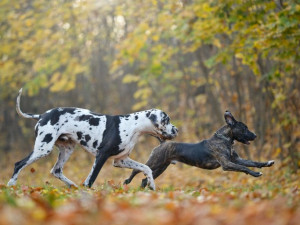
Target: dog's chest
{"points": [[129, 133]]}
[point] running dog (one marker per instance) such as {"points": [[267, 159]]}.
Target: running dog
{"points": [[208, 154], [104, 136]]}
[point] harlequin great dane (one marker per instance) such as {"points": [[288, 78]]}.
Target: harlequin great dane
{"points": [[104, 136]]}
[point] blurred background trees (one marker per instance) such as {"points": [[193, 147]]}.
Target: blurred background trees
{"points": [[192, 58]]}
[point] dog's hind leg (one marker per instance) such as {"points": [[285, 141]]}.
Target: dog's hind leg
{"points": [[250, 163], [66, 148], [41, 149], [131, 164]]}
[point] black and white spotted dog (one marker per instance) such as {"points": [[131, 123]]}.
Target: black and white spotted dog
{"points": [[104, 136]]}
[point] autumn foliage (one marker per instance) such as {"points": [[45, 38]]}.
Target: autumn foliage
{"points": [[185, 195], [192, 58]]}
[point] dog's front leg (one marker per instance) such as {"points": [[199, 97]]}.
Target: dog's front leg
{"points": [[131, 164], [132, 175], [229, 166], [99, 162], [249, 163]]}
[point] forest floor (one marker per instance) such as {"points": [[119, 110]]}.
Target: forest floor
{"points": [[184, 195]]}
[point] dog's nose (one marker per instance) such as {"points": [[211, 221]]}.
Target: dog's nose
{"points": [[174, 130], [254, 136]]}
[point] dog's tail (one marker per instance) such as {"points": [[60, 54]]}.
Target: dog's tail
{"points": [[25, 115]]}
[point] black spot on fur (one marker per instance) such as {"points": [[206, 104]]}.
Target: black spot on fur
{"points": [[165, 118], [153, 118], [58, 170], [36, 130], [94, 121], [79, 135], [85, 117], [95, 143], [111, 135], [54, 115], [136, 117], [47, 138], [83, 143], [148, 114], [87, 137], [69, 110]]}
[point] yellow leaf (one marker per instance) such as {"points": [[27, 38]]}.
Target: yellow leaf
{"points": [[29, 22], [155, 37], [129, 78], [139, 105], [55, 77], [277, 152], [143, 93], [217, 43], [239, 55]]}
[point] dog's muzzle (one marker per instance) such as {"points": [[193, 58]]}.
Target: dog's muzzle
{"points": [[247, 140], [166, 136], [174, 131]]}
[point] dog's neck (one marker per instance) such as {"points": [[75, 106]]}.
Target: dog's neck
{"points": [[225, 134]]}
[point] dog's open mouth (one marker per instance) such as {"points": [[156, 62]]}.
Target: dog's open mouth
{"points": [[246, 142], [162, 137]]}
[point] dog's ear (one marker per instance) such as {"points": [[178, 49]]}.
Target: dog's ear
{"points": [[229, 118], [153, 119]]}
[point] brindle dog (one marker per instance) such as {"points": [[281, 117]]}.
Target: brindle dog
{"points": [[208, 154]]}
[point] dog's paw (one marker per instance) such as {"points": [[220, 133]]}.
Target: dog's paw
{"points": [[258, 174], [127, 181], [73, 186], [11, 182], [151, 185], [85, 184], [270, 163]]}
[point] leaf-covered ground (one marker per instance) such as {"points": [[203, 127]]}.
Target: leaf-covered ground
{"points": [[185, 195]]}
